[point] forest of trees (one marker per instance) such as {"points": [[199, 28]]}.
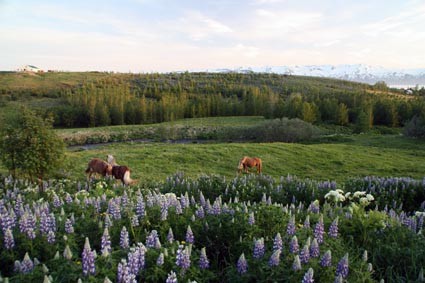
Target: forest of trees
{"points": [[117, 99]]}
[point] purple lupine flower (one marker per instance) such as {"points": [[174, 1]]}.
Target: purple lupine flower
{"points": [[105, 243], [183, 257], [326, 259], [216, 208], [305, 254], [277, 242], [307, 222], [275, 258], [108, 221], [57, 202], [135, 221], [170, 236], [259, 248], [9, 241], [314, 207], [51, 237], [87, 259], [160, 260], [172, 277], [140, 207], [333, 229], [151, 239], [141, 253], [342, 267], [133, 262], [200, 212], [69, 229], [164, 211], [178, 208], [314, 248], [293, 246], [202, 199], [68, 198], [242, 264], [319, 230], [204, 263], [27, 264], [124, 274], [251, 219], [189, 235], [308, 276], [114, 209], [290, 229], [296, 265], [44, 223], [124, 238]]}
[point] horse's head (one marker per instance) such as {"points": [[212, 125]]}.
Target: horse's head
{"points": [[240, 165]]}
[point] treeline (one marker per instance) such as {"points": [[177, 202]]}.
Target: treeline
{"points": [[152, 98]]}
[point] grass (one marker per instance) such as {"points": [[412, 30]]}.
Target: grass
{"points": [[361, 155], [195, 128]]}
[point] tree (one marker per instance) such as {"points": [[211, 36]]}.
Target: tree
{"points": [[28, 144], [308, 112], [342, 115], [362, 122]]}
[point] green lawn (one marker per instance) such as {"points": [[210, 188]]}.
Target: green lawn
{"points": [[359, 156]]}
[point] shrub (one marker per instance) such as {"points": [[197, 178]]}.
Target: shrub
{"points": [[415, 127]]}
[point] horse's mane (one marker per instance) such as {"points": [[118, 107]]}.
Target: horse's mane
{"points": [[111, 160]]}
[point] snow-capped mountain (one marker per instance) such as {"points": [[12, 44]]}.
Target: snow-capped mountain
{"points": [[358, 73]]}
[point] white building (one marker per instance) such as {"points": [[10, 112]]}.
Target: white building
{"points": [[30, 68]]}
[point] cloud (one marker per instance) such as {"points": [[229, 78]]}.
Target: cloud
{"points": [[198, 26]]}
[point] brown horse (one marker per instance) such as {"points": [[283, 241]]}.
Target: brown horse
{"points": [[248, 162], [98, 166], [122, 173]]}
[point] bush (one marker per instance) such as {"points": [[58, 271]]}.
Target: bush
{"points": [[276, 130], [415, 127]]}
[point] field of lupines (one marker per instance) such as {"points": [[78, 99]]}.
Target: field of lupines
{"points": [[211, 229]]}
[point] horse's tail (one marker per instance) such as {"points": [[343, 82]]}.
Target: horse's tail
{"points": [[260, 166], [126, 178]]}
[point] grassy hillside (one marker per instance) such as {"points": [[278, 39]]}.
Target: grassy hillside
{"points": [[100, 99], [358, 156]]}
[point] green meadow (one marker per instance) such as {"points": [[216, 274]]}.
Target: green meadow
{"points": [[353, 156]]}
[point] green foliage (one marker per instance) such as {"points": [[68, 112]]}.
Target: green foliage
{"points": [[362, 123], [85, 99], [30, 145], [415, 127]]}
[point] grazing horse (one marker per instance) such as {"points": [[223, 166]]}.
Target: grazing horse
{"points": [[98, 166], [248, 162], [122, 173]]}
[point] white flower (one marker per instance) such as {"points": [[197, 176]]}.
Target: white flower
{"points": [[370, 197], [364, 201], [359, 194]]}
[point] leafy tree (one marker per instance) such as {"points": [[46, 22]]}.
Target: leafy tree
{"points": [[362, 122], [342, 114], [308, 113], [28, 143]]}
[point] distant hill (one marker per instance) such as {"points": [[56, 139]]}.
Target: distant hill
{"points": [[357, 73]]}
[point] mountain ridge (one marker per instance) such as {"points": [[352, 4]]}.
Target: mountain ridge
{"points": [[355, 72]]}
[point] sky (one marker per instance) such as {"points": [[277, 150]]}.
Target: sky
{"points": [[165, 36]]}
